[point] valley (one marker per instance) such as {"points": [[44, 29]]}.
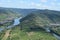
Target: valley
{"points": [[32, 25]]}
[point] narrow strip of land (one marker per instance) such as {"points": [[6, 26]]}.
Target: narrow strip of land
{"points": [[6, 35]]}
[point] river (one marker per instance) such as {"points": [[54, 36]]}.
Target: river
{"points": [[16, 22], [53, 33]]}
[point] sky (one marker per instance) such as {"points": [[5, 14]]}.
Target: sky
{"points": [[29, 4]]}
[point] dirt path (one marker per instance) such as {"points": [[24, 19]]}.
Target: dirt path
{"points": [[6, 35]]}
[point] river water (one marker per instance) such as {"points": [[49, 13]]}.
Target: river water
{"points": [[16, 22]]}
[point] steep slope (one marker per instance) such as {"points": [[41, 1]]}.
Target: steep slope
{"points": [[41, 18]]}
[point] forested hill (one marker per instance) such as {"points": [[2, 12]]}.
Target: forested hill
{"points": [[44, 16], [41, 18]]}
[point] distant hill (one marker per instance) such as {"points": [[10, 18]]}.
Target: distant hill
{"points": [[24, 12]]}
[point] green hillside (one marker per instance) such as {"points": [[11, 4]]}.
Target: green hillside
{"points": [[42, 19]]}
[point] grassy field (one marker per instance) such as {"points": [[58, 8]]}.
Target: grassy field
{"points": [[17, 34]]}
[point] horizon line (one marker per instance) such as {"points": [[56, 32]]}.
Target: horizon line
{"points": [[30, 8]]}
